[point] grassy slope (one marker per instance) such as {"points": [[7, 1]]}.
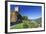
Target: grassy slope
{"points": [[25, 24]]}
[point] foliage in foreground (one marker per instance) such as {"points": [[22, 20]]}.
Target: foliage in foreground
{"points": [[25, 24]]}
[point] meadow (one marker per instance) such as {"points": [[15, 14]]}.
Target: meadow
{"points": [[26, 23]]}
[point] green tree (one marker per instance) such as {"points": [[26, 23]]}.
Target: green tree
{"points": [[25, 18]]}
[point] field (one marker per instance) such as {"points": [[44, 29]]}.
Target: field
{"points": [[26, 24]]}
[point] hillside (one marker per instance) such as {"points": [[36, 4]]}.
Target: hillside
{"points": [[28, 24], [39, 21]]}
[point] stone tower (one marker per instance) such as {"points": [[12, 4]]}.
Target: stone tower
{"points": [[14, 14]]}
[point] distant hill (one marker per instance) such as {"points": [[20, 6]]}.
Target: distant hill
{"points": [[39, 20]]}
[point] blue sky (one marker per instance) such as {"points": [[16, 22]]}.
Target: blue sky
{"points": [[32, 12]]}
